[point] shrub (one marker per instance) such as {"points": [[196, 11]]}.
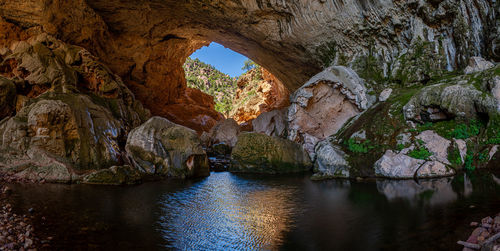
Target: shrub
{"points": [[420, 153]]}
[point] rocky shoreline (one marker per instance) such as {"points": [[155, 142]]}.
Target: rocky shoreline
{"points": [[486, 235], [16, 231]]}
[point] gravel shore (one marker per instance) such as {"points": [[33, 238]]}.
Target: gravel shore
{"points": [[16, 231], [486, 235]]}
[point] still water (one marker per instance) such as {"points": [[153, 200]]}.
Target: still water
{"points": [[241, 212]]}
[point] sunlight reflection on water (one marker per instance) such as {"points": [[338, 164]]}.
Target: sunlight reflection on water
{"points": [[224, 212]]}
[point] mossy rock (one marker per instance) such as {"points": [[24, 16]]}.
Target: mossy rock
{"points": [[259, 153], [115, 175]]}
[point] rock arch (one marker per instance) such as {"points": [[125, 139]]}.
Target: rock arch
{"points": [[146, 42]]}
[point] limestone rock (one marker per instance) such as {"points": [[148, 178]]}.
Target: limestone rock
{"points": [[494, 86], [324, 104], [460, 100], [162, 148], [66, 127], [400, 165], [477, 64], [225, 131], [436, 144], [397, 165], [385, 94], [330, 161], [7, 97], [433, 169], [259, 153], [258, 92], [292, 39], [271, 123], [72, 114]]}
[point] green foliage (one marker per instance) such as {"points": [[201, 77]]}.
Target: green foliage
{"points": [[359, 147], [450, 129], [248, 65], [212, 82], [420, 153], [454, 157], [463, 131], [400, 147], [469, 159]]}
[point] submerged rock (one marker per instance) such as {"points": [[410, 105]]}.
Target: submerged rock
{"points": [[162, 148], [322, 106], [259, 153], [115, 175]]}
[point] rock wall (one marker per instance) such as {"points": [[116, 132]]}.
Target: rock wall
{"points": [[147, 43], [258, 92]]}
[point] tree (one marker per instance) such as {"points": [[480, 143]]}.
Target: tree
{"points": [[248, 65]]}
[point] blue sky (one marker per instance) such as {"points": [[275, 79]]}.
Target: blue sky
{"points": [[224, 59]]}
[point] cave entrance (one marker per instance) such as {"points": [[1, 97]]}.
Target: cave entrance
{"points": [[239, 88]]}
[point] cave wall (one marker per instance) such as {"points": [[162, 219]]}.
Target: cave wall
{"points": [[147, 41]]}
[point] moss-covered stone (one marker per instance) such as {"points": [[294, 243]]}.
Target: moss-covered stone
{"points": [[259, 153], [115, 175]]}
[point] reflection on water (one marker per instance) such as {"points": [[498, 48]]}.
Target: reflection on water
{"points": [[226, 212], [251, 212], [437, 191]]}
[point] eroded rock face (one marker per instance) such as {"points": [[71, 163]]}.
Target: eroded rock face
{"points": [[477, 64], [259, 153], [322, 106], [258, 92], [444, 101], [70, 113], [162, 148], [7, 97], [146, 43]]}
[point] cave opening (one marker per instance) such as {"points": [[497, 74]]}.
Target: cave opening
{"points": [[232, 84]]}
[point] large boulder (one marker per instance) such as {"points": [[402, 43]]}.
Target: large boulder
{"points": [[321, 107], [162, 148], [225, 131], [271, 123], [444, 101], [330, 161], [260, 153], [400, 165]]}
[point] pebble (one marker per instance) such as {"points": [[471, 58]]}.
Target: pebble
{"points": [[16, 232], [482, 232]]}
